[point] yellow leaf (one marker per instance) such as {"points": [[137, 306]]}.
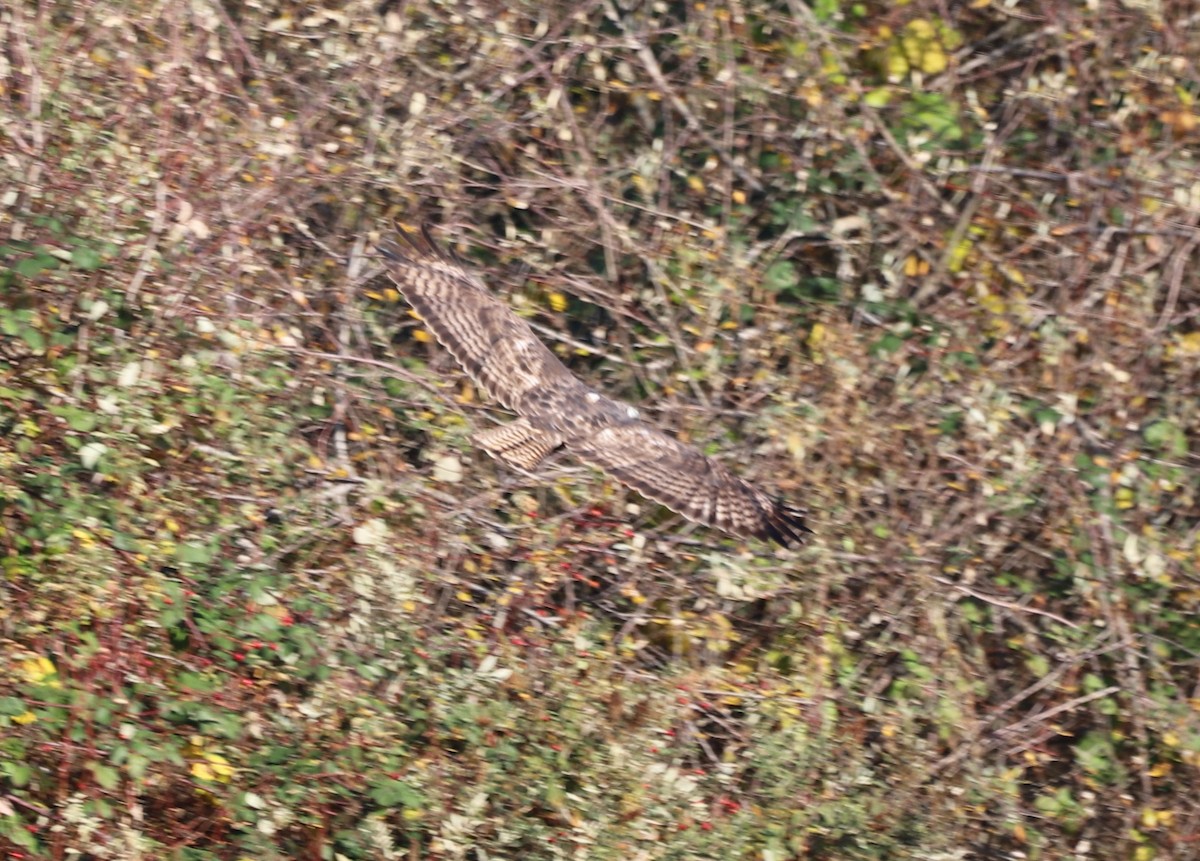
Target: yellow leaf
{"points": [[1190, 343], [914, 266], [696, 184], [558, 302], [896, 63], [24, 718], [920, 28], [879, 97], [40, 670], [421, 335], [934, 60], [1014, 274], [739, 196], [218, 767], [993, 304]]}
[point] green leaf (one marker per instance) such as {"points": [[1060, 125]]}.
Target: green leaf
{"points": [[878, 97], [18, 773], [553, 793], [197, 682], [107, 776], [14, 829], [196, 554], [1167, 437], [126, 542], [825, 10], [780, 275], [33, 338], [396, 793], [1038, 665], [887, 345], [137, 766], [86, 258], [32, 266], [77, 419]]}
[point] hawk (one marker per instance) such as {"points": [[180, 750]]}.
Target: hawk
{"points": [[556, 409]]}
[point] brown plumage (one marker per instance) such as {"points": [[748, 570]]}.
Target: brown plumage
{"points": [[500, 352]]}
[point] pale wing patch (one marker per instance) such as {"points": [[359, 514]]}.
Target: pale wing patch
{"points": [[518, 443]]}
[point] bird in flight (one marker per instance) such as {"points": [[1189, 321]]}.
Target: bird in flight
{"points": [[556, 409]]}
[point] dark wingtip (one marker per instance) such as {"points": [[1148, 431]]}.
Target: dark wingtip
{"points": [[421, 246], [389, 250], [418, 239], [785, 525]]}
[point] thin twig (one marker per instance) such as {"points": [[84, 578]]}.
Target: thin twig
{"points": [[1007, 605], [1176, 269]]}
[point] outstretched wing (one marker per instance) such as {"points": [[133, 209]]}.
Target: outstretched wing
{"points": [[495, 346], [500, 352], [687, 482]]}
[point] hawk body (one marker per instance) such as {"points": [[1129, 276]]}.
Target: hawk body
{"points": [[556, 409]]}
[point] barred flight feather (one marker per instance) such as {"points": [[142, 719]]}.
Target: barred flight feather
{"points": [[501, 353]]}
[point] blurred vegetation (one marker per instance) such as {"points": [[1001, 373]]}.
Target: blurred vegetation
{"points": [[935, 277]]}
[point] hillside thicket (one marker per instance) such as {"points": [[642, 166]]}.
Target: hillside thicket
{"points": [[929, 270]]}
